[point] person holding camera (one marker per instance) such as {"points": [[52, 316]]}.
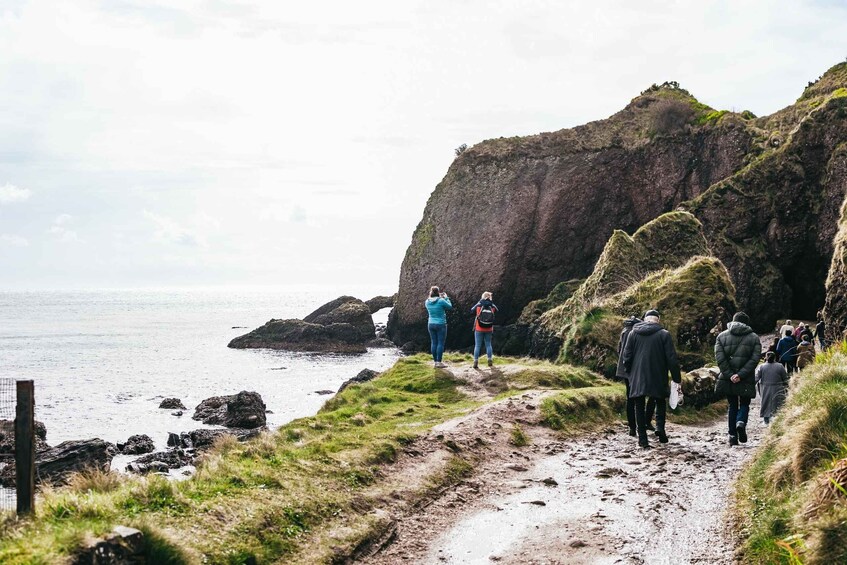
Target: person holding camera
{"points": [[436, 306]]}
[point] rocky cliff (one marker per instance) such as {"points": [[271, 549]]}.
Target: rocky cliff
{"points": [[517, 216]]}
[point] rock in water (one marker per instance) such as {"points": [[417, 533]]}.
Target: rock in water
{"points": [[242, 410], [364, 376], [172, 404], [297, 335], [7, 436], [343, 325], [137, 445]]}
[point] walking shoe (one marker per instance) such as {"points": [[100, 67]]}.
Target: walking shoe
{"points": [[733, 441], [643, 444], [475, 365], [663, 437], [741, 428], [650, 427], [632, 432], [490, 363]]}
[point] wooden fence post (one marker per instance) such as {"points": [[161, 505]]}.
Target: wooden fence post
{"points": [[25, 447]]}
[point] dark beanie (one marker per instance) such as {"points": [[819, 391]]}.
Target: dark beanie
{"points": [[741, 317], [651, 313]]}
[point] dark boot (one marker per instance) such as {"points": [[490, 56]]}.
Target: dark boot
{"points": [[632, 432], [741, 428], [643, 442], [663, 437], [733, 441]]}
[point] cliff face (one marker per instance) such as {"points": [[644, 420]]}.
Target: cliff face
{"points": [[518, 216]]}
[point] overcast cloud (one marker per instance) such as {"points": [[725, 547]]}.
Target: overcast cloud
{"points": [[214, 142]]}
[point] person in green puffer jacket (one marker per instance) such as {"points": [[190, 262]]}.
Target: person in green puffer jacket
{"points": [[737, 352]]}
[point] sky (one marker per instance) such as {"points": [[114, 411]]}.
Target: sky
{"points": [[216, 143]]}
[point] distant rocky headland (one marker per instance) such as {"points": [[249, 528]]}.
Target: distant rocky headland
{"points": [[766, 192]]}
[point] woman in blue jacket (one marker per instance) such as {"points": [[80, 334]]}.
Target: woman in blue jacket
{"points": [[437, 305]]}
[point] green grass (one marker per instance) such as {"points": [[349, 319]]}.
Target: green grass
{"points": [[518, 437], [571, 410], [789, 501]]}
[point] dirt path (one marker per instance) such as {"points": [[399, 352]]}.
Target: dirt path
{"points": [[596, 498]]}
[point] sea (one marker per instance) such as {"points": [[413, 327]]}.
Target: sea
{"points": [[102, 360]]}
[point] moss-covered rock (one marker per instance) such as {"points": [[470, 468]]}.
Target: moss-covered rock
{"points": [[664, 265]]}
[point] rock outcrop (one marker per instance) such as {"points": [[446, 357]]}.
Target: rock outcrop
{"points": [[172, 404], [243, 410], [343, 325], [137, 445], [835, 309], [55, 464], [7, 436], [767, 190], [363, 376], [377, 303]]}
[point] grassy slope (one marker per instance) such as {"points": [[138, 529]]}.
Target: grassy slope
{"points": [[791, 502], [269, 498]]}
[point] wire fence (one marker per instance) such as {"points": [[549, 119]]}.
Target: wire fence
{"points": [[8, 402]]}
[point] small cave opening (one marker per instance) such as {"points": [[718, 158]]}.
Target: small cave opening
{"points": [[807, 281]]}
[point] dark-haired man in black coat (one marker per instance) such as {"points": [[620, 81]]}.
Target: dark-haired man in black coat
{"points": [[648, 357]]}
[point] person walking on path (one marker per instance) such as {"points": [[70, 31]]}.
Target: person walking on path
{"points": [[737, 352], [648, 356], [786, 326], [805, 354], [436, 306], [628, 324], [786, 350], [772, 382], [483, 328], [798, 331], [820, 332]]}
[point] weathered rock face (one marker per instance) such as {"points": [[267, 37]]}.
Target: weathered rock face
{"points": [[835, 310], [55, 464], [242, 410], [518, 216], [343, 325], [773, 224]]}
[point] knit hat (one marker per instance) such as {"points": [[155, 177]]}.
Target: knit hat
{"points": [[741, 317], [651, 313]]}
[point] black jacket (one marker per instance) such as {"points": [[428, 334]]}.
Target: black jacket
{"points": [[628, 324], [737, 351], [648, 356]]}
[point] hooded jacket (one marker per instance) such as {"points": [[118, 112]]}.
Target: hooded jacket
{"points": [[648, 356], [628, 324], [737, 352], [437, 308]]}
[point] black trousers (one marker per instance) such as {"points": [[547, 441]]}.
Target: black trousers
{"points": [[641, 414], [630, 408]]}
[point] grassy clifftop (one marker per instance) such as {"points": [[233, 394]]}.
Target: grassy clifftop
{"points": [[791, 502]]}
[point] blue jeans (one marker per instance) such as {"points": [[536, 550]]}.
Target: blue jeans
{"points": [[437, 337], [478, 339], [739, 409]]}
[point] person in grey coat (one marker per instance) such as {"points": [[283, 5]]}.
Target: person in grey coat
{"points": [[737, 352], [772, 382], [621, 373], [648, 356]]}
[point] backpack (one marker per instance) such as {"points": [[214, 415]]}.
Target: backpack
{"points": [[485, 318]]}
